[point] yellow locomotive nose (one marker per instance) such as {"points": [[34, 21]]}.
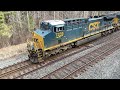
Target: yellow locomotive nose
{"points": [[38, 41], [35, 48], [115, 20]]}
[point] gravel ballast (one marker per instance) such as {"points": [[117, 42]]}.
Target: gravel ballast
{"points": [[46, 70], [13, 60], [109, 68]]}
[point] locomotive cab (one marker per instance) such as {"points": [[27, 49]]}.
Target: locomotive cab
{"points": [[36, 45], [42, 38]]}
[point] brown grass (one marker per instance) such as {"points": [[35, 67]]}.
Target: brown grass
{"points": [[12, 50]]}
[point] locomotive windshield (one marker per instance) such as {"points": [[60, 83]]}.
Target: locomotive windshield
{"points": [[48, 24], [44, 26]]}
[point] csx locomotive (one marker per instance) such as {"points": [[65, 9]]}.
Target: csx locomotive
{"points": [[55, 36]]}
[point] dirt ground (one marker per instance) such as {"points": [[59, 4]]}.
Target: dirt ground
{"points": [[12, 51]]}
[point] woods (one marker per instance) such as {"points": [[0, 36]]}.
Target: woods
{"points": [[16, 26]]}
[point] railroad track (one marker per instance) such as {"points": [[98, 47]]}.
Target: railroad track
{"points": [[54, 59], [9, 71], [69, 70], [23, 68], [66, 54]]}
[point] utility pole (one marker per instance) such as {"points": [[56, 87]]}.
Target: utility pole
{"points": [[28, 21], [44, 15], [19, 17]]}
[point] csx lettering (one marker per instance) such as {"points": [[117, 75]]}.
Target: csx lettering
{"points": [[59, 34], [93, 26]]}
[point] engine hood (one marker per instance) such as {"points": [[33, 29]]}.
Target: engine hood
{"points": [[42, 33]]}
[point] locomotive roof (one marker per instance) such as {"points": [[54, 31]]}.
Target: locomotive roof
{"points": [[90, 19], [74, 19], [54, 22]]}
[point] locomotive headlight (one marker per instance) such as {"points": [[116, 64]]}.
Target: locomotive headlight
{"points": [[32, 47]]}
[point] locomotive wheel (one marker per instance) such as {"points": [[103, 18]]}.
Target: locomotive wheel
{"points": [[103, 33], [60, 51], [118, 28], [34, 60], [47, 55]]}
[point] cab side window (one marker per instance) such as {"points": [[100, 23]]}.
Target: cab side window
{"points": [[69, 25], [58, 29], [55, 29]]}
